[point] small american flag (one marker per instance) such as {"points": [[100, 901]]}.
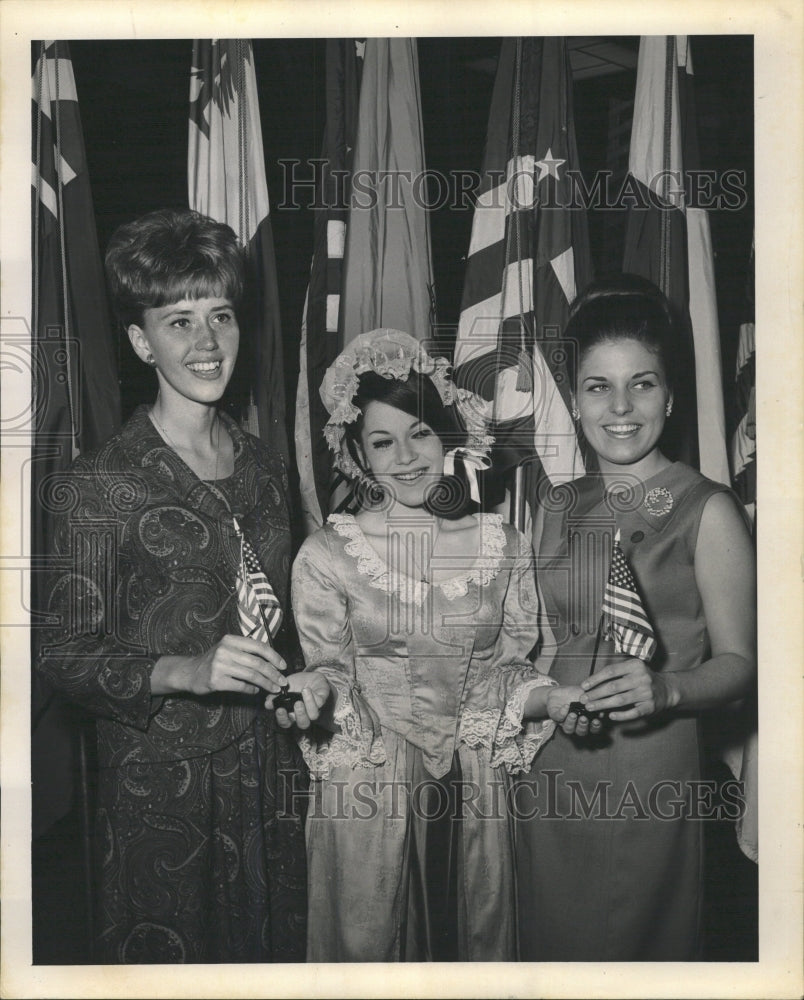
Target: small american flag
{"points": [[624, 618], [257, 605]]}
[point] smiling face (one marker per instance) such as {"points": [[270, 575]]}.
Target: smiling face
{"points": [[622, 394], [404, 454], [193, 344]]}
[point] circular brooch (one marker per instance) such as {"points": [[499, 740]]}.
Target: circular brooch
{"points": [[659, 501]]}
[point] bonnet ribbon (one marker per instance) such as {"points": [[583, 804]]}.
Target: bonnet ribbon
{"points": [[474, 461]]}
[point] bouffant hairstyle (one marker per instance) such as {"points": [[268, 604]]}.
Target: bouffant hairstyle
{"points": [[170, 255], [623, 307]]}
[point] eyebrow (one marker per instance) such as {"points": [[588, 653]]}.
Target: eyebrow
{"points": [[175, 310], [410, 427], [604, 378]]}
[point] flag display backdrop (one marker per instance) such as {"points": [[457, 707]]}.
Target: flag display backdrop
{"points": [[528, 256], [388, 270], [226, 180], [372, 263], [744, 441], [75, 386], [668, 240], [322, 332]]}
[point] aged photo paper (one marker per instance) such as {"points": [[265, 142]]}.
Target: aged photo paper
{"points": [[778, 31]]}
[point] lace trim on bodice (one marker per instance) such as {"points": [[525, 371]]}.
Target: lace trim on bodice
{"points": [[500, 732], [369, 563]]}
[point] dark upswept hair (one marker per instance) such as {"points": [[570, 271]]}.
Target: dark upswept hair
{"points": [[418, 397], [169, 255], [623, 307]]}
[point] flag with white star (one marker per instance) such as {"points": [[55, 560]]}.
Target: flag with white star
{"points": [[528, 255], [624, 617], [258, 607]]}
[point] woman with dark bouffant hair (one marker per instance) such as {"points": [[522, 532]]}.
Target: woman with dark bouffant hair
{"points": [[199, 849], [647, 573], [416, 617]]}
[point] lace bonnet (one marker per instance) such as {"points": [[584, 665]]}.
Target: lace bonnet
{"points": [[393, 354]]}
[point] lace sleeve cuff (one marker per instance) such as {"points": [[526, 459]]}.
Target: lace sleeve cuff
{"points": [[355, 745], [500, 731]]}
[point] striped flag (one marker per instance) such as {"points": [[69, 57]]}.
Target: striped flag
{"points": [[226, 180], [322, 333], [624, 618], [388, 273], [743, 442], [668, 239], [258, 608], [528, 255], [76, 399]]}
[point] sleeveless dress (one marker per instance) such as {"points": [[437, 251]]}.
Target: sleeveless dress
{"points": [[429, 685], [609, 866]]}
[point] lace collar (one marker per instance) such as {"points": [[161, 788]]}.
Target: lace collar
{"points": [[408, 590]]}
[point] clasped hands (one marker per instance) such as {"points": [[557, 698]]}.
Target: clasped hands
{"points": [[623, 691], [245, 665]]}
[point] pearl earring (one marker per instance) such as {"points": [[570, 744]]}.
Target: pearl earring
{"points": [[668, 409], [151, 360], [575, 415]]}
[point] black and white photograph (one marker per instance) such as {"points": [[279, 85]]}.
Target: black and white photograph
{"points": [[401, 437]]}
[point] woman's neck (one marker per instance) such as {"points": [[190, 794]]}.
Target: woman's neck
{"points": [[641, 471], [386, 518], [192, 426]]}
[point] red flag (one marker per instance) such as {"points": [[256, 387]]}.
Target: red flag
{"points": [[76, 393], [528, 256], [226, 177], [668, 238]]}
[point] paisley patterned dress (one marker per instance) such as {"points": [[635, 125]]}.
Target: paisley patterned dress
{"points": [[430, 684], [199, 833]]}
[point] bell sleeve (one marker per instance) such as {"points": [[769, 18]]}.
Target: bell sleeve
{"points": [[493, 718], [321, 609], [83, 652]]}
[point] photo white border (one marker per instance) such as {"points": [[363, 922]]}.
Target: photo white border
{"points": [[777, 29]]}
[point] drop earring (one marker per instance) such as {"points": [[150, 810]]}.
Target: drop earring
{"points": [[575, 415], [668, 409]]}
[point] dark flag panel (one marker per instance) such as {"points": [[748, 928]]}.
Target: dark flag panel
{"points": [[668, 241], [76, 391], [528, 256], [744, 441], [322, 338]]}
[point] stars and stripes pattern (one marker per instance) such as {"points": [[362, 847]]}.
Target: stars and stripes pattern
{"points": [[258, 607], [624, 617], [528, 256]]}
